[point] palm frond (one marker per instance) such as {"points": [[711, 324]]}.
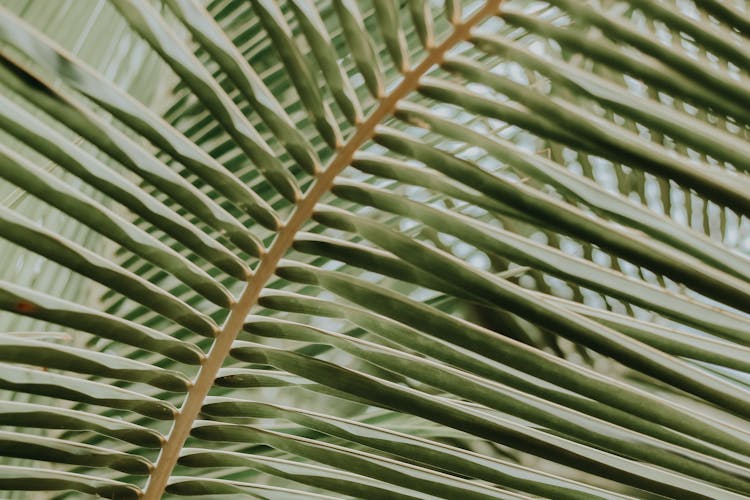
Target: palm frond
{"points": [[375, 249]]}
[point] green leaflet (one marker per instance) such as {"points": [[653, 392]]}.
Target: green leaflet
{"points": [[453, 414], [693, 132], [705, 34], [373, 466], [312, 475], [248, 377], [24, 232], [617, 30], [36, 479], [675, 342], [33, 381], [83, 165], [250, 84], [62, 357], [501, 398], [360, 45], [648, 69], [507, 351], [320, 43], [402, 171], [191, 487], [127, 109], [672, 341], [55, 450], [512, 296], [25, 301], [277, 28], [715, 184], [46, 187], [453, 10], [395, 40], [422, 19], [47, 417], [614, 207], [141, 17], [526, 252], [426, 451]]}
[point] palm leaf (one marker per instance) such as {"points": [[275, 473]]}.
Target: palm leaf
{"points": [[355, 249]]}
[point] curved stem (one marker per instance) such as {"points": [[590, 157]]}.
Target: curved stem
{"points": [[305, 206]]}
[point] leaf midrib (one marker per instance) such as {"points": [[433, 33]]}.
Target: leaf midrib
{"points": [[190, 410]]}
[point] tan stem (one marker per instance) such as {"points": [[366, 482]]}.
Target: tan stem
{"points": [[305, 206]]}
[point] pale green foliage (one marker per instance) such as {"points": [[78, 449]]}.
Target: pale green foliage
{"points": [[478, 252]]}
